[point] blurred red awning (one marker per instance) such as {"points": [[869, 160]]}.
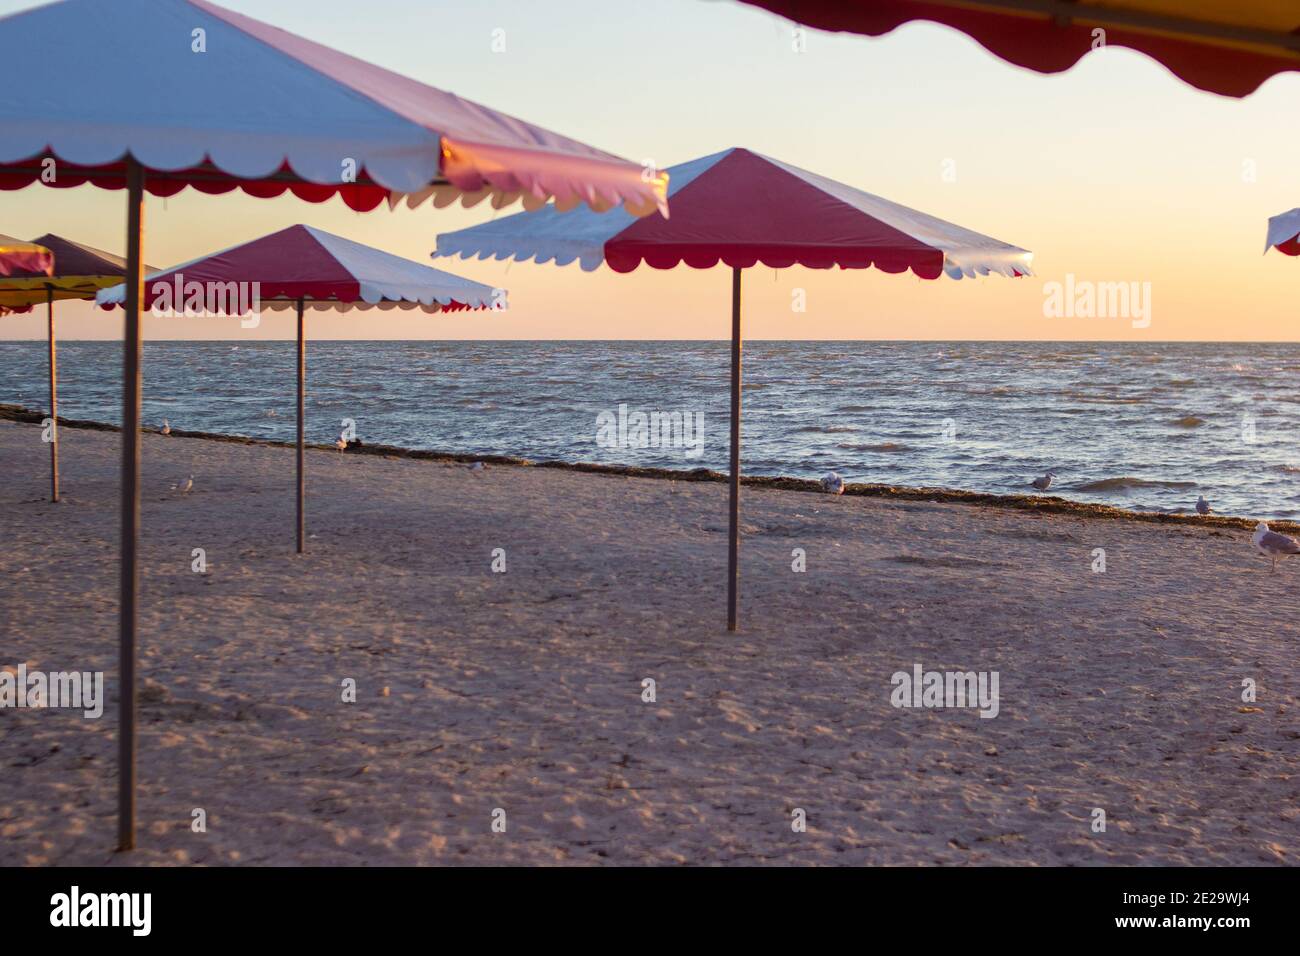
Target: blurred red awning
{"points": [[1228, 47], [24, 258]]}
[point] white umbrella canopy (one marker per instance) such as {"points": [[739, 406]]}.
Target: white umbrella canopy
{"points": [[1284, 233], [159, 95], [204, 96]]}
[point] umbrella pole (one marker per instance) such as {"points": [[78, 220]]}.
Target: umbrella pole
{"points": [[132, 354], [302, 411], [733, 552], [54, 400]]}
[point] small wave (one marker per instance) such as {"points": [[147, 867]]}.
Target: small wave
{"points": [[853, 408], [1189, 421], [1126, 484], [1102, 400], [1289, 469], [882, 446], [825, 429]]}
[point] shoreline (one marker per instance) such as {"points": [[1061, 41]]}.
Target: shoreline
{"points": [[1040, 504]]}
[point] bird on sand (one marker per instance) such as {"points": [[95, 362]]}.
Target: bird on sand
{"points": [[1045, 482], [832, 483], [1202, 506], [167, 427], [1273, 545], [184, 486]]}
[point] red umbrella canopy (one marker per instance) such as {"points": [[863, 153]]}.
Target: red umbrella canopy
{"points": [[1228, 47], [205, 97], [302, 262], [742, 208], [78, 259], [1284, 233]]}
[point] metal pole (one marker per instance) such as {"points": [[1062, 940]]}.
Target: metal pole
{"points": [[302, 413], [132, 355], [733, 553], [54, 400]]}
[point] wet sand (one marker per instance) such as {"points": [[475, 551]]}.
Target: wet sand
{"points": [[523, 691]]}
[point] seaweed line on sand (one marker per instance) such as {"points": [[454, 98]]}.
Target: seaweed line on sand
{"points": [[1041, 504]]}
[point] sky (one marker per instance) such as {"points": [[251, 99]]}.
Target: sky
{"points": [[1114, 171]]}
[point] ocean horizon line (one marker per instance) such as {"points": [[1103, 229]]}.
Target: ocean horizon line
{"points": [[726, 341]]}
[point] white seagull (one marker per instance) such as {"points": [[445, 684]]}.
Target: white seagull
{"points": [[1045, 482], [832, 483], [1273, 545], [167, 427], [1202, 506]]}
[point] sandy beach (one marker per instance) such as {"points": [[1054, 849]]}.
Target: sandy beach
{"points": [[523, 690]]}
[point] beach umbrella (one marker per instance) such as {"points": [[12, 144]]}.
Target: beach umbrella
{"points": [[292, 269], [740, 208], [1284, 233], [79, 272], [23, 258], [159, 95], [1228, 47]]}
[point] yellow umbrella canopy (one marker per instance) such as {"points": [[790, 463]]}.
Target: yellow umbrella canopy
{"points": [[79, 271]]}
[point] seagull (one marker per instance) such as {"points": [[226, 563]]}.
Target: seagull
{"points": [[477, 467], [167, 427], [832, 483], [184, 486], [1202, 506], [1045, 482], [1273, 545]]}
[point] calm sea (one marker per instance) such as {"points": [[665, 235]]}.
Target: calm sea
{"points": [[1140, 426]]}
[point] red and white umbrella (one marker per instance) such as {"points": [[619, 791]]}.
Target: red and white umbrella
{"points": [[308, 265], [1284, 233], [158, 95], [740, 208], [297, 267]]}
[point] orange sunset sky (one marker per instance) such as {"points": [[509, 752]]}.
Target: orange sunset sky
{"points": [[1114, 171]]}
